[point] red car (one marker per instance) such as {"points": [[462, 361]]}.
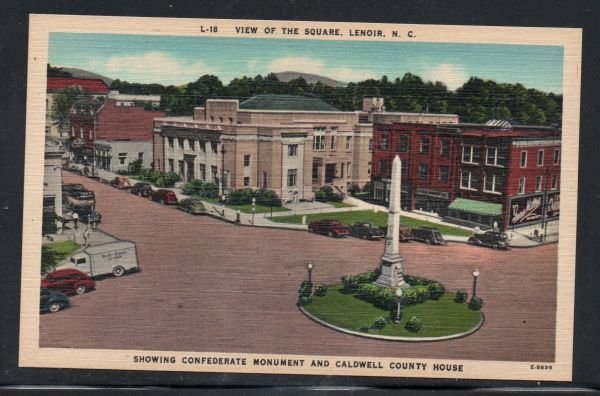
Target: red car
{"points": [[332, 228], [165, 197], [69, 281]]}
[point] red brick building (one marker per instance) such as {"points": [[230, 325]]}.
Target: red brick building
{"points": [[476, 175], [95, 88], [123, 132]]}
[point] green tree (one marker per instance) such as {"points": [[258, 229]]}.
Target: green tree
{"points": [[61, 107]]}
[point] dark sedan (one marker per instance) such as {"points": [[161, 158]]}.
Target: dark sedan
{"points": [[493, 239], [142, 189], [53, 300], [366, 230]]}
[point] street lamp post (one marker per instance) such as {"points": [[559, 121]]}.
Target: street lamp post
{"points": [[253, 209], [310, 268], [398, 300], [475, 276]]}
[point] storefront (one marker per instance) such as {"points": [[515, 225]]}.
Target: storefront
{"points": [[473, 213], [431, 201]]}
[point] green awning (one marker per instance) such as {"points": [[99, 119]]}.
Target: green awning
{"points": [[477, 207]]}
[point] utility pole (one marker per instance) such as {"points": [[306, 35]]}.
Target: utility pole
{"points": [[545, 206]]}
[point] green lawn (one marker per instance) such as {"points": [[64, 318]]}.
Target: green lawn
{"points": [[248, 208], [55, 252], [377, 218], [440, 318]]}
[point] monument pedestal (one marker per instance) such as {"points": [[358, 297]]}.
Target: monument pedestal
{"points": [[391, 272]]}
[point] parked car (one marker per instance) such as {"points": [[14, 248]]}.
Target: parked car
{"points": [[78, 191], [191, 205], [163, 196], [142, 189], [332, 228], [121, 182], [405, 232], [53, 300], [366, 230], [87, 214], [493, 239], [69, 281], [429, 235]]}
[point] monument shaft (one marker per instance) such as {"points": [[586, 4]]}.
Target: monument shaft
{"points": [[391, 261]]}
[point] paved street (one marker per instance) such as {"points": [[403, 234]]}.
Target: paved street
{"points": [[207, 285]]}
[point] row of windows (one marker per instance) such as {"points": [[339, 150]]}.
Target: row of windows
{"points": [[540, 158], [319, 143], [192, 144], [495, 156], [424, 144], [494, 182], [471, 154]]}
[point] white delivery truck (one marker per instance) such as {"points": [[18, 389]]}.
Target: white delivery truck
{"points": [[109, 258]]}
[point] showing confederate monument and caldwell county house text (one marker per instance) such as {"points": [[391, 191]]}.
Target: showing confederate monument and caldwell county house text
{"points": [[281, 205]]}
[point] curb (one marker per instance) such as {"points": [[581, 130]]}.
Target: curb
{"points": [[392, 338]]}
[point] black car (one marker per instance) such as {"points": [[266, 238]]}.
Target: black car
{"points": [[429, 235], [142, 189], [77, 191], [53, 300], [366, 230], [493, 239]]}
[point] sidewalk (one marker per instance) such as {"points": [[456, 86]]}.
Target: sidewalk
{"points": [[95, 237]]}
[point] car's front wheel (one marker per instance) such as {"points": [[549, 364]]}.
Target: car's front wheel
{"points": [[118, 271], [428, 241], [80, 289], [54, 307], [330, 234], [495, 246]]}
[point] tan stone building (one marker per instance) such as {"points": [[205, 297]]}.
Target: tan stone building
{"points": [[289, 144]]}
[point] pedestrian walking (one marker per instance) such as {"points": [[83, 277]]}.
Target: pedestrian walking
{"points": [[75, 220], [86, 236]]}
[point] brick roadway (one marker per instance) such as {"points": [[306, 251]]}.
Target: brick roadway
{"points": [[210, 286]]}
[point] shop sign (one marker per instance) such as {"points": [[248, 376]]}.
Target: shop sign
{"points": [[526, 209], [553, 205]]}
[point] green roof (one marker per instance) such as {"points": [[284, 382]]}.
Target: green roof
{"points": [[477, 207], [286, 102]]}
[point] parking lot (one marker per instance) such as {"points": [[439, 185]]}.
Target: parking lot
{"points": [[206, 285]]}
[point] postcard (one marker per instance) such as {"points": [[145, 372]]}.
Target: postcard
{"points": [[310, 198]]}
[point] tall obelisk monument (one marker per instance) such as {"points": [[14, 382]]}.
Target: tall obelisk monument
{"points": [[391, 261]]}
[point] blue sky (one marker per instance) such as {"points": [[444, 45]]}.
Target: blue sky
{"points": [[178, 60]]}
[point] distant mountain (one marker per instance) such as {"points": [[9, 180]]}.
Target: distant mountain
{"points": [[80, 73], [287, 76]]}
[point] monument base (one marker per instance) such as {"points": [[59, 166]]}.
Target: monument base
{"points": [[391, 272]]}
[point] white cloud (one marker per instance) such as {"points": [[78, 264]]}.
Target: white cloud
{"points": [[317, 66], [452, 75], [154, 67]]}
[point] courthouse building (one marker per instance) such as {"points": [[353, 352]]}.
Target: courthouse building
{"points": [[290, 144], [473, 174]]}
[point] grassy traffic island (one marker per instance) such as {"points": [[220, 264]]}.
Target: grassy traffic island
{"points": [[357, 306]]}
